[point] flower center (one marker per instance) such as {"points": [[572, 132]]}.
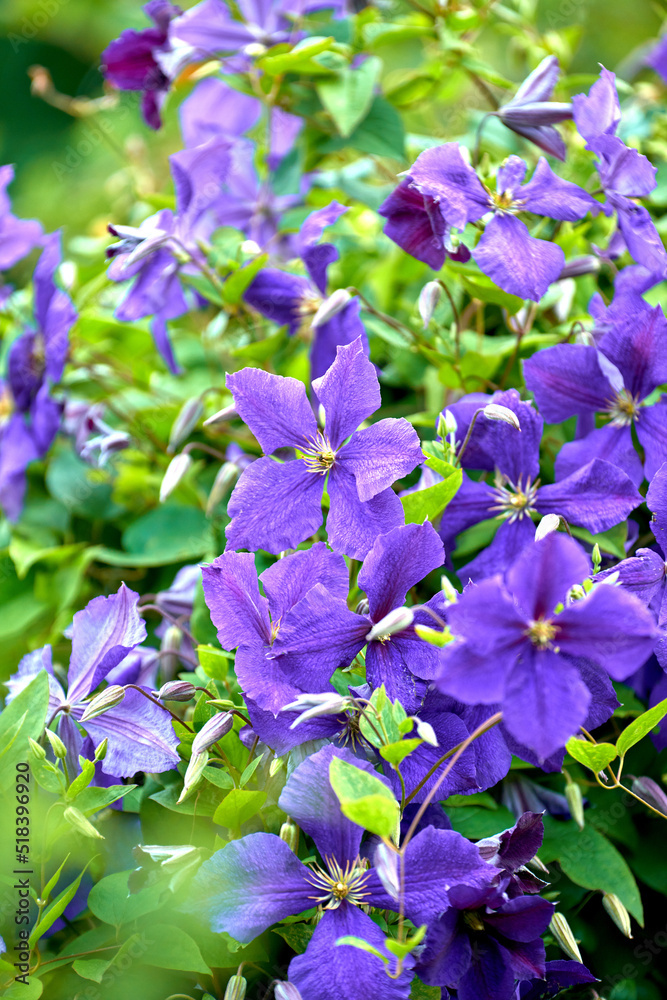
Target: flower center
{"points": [[336, 883], [542, 632], [473, 920], [306, 308], [320, 456], [624, 408], [512, 501]]}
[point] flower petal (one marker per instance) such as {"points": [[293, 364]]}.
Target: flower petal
{"points": [[349, 392], [543, 574], [276, 409], [516, 261], [290, 579], [597, 497], [567, 379], [398, 561], [238, 610], [140, 734], [353, 525]]}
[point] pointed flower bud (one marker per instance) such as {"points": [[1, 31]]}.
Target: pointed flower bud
{"points": [[57, 745], [193, 774], [396, 621], [312, 706], [212, 731], [363, 607], [277, 764], [109, 698], [575, 801], [549, 523], [447, 424], [236, 988], [562, 932], [223, 484], [494, 411], [386, 866], [101, 751], [426, 732], [222, 416], [289, 832], [617, 912], [450, 592], [331, 307], [286, 991], [185, 422], [78, 821], [651, 792], [176, 470], [177, 691], [428, 300], [38, 750]]}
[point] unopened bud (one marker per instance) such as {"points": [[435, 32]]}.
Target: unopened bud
{"points": [[254, 50], [222, 416], [363, 607], [176, 470], [651, 792], [57, 745], [286, 991], [596, 558], [331, 307], [193, 774], [186, 421], [289, 832], [177, 691], [250, 247], [212, 731], [450, 592], [562, 932], [433, 635], [617, 912], [223, 484], [548, 524], [109, 698], [169, 647], [312, 706], [447, 424], [426, 732], [38, 750], [396, 621], [236, 988], [494, 411], [78, 821], [575, 801], [428, 300], [101, 751], [277, 764], [386, 866]]}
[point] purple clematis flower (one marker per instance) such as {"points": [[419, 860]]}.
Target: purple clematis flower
{"points": [[617, 379], [624, 173], [94, 441], [324, 632], [596, 496], [532, 115], [514, 649], [257, 881], [132, 61], [518, 262], [558, 976], [17, 236], [292, 300], [657, 58], [276, 505], [30, 417], [140, 733], [511, 850]]}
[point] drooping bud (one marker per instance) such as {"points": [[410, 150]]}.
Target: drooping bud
{"points": [[575, 801], [222, 416], [494, 411], [312, 706], [223, 484], [562, 932], [177, 691], [433, 635], [426, 732], [236, 988], [617, 912], [396, 621], [212, 731], [651, 792], [186, 421], [289, 832], [176, 470], [38, 751], [169, 647], [331, 307], [386, 866], [109, 698], [286, 991], [193, 774], [78, 821], [57, 745], [549, 523], [428, 300]]}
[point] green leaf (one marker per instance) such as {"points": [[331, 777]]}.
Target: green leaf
{"points": [[357, 942], [429, 504], [475, 822], [297, 936], [349, 95], [91, 800], [380, 133], [46, 892], [486, 291], [214, 662], [31, 990], [22, 719], [420, 991], [110, 900], [641, 727], [96, 968], [249, 771], [364, 798], [202, 284], [55, 910], [595, 756], [172, 948], [299, 60], [388, 728], [236, 283], [394, 753], [591, 861], [238, 807], [400, 950]]}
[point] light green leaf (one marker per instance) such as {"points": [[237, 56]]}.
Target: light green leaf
{"points": [[641, 727], [357, 942], [22, 719], [430, 503], [238, 807], [171, 948], [214, 662], [238, 281], [300, 59], [400, 950], [364, 798], [348, 96], [110, 900], [55, 910], [394, 753], [595, 756], [249, 771]]}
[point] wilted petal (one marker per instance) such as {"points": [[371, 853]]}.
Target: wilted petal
{"points": [[416, 224]]}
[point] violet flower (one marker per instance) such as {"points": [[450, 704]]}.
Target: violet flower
{"points": [[17, 236], [511, 850], [140, 733], [94, 440], [292, 300], [616, 379], [256, 881], [596, 496], [516, 650], [558, 976], [29, 416], [532, 115], [276, 505], [624, 173]]}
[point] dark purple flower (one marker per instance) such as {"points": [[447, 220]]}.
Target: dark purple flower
{"points": [[140, 733], [515, 650], [276, 505], [596, 496], [256, 881], [292, 300], [558, 976], [531, 114], [511, 850], [17, 236], [416, 223], [624, 173], [616, 379], [132, 61]]}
